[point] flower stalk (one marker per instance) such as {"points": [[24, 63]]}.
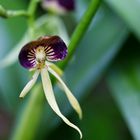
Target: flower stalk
{"points": [[25, 129], [31, 11], [12, 13], [81, 29]]}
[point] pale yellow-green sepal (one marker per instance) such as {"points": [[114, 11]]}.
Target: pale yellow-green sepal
{"points": [[73, 101], [47, 86], [55, 68], [30, 84]]}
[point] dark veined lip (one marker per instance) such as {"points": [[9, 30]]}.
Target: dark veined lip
{"points": [[68, 5], [54, 47]]}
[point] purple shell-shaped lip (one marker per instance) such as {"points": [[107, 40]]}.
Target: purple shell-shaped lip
{"points": [[68, 5], [54, 46]]}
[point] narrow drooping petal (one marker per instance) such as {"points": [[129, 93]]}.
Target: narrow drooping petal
{"points": [[47, 86], [72, 99], [29, 85], [50, 48]]}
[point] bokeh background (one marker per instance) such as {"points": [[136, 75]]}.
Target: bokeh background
{"points": [[104, 75]]}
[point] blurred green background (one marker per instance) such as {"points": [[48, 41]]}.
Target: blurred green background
{"points": [[104, 75]]}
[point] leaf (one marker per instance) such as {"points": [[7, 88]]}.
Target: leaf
{"points": [[129, 11], [124, 82]]}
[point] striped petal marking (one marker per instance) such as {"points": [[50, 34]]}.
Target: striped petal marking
{"points": [[35, 53]]}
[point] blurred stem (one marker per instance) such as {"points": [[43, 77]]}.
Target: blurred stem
{"points": [[11, 13], [31, 12], [81, 29], [30, 117]]}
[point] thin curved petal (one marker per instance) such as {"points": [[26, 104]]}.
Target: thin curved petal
{"points": [[29, 85], [47, 86], [72, 99]]}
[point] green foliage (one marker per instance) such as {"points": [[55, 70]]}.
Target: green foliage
{"points": [[129, 12], [102, 70], [124, 80]]}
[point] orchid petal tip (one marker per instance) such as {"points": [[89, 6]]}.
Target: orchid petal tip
{"points": [[80, 115], [21, 97]]}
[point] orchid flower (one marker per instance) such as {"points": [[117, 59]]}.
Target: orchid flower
{"points": [[59, 6], [36, 56]]}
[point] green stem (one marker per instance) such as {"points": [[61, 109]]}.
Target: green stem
{"points": [[30, 117], [81, 29], [11, 13], [32, 6], [31, 12]]}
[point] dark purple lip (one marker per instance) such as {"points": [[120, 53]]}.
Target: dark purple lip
{"points": [[54, 47], [68, 5]]}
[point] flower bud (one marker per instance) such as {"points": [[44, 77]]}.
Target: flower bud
{"points": [[59, 6]]}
